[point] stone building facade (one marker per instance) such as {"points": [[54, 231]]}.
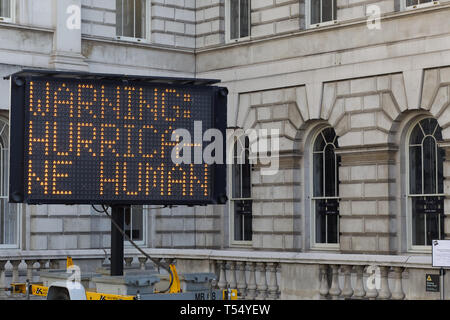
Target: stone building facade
{"points": [[372, 73]]}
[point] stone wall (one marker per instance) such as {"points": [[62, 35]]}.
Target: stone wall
{"points": [[67, 227]]}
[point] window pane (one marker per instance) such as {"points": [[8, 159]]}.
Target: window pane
{"points": [[433, 226], [131, 18], [418, 223], [429, 165], [315, 11], [327, 220], [234, 19], [125, 20], [318, 174], [411, 2], [134, 223], [248, 223], [140, 19], [244, 18], [237, 180], [327, 10], [242, 169], [416, 135], [428, 125], [320, 222], [332, 228], [330, 172], [427, 219], [415, 170], [243, 220], [246, 181], [319, 144], [119, 21], [5, 8], [441, 156], [8, 222], [329, 134], [438, 133]]}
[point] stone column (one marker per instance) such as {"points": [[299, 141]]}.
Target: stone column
{"points": [[128, 261], [30, 264], [222, 284], [232, 281], [142, 261], [54, 264], [262, 283], [335, 290], [273, 283], [15, 270], [251, 288], [347, 292], [241, 281], [372, 291], [42, 264], [323, 275], [398, 293], [359, 285], [384, 293]]}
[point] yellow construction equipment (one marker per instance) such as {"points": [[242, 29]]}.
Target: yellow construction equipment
{"points": [[38, 289]]}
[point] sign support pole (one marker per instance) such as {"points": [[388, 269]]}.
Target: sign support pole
{"points": [[442, 273], [117, 216]]}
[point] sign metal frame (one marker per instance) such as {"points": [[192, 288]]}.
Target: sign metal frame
{"points": [[17, 133]]}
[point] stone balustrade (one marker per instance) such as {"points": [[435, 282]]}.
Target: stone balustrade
{"points": [[370, 282], [242, 275], [262, 275], [289, 275]]}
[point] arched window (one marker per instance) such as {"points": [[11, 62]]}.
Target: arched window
{"points": [[426, 183], [241, 202], [325, 191], [8, 212]]}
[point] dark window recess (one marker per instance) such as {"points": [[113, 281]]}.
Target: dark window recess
{"points": [[241, 193], [243, 220], [428, 219], [239, 17], [426, 182], [326, 187]]}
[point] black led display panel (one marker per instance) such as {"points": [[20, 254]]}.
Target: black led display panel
{"points": [[83, 140]]}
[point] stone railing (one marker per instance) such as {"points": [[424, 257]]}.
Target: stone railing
{"points": [[257, 275], [18, 266], [272, 275]]}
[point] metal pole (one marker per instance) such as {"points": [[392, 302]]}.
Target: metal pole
{"points": [[442, 273], [117, 216]]}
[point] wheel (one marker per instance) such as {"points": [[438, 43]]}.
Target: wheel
{"points": [[58, 294]]}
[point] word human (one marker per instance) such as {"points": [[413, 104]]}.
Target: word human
{"points": [[85, 138]]}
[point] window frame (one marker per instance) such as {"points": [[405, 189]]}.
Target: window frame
{"points": [[308, 15], [18, 235], [233, 242], [313, 243], [409, 196], [228, 23], [148, 23], [12, 19], [418, 6], [143, 242]]}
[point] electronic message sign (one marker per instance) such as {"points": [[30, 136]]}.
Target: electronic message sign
{"points": [[97, 140]]}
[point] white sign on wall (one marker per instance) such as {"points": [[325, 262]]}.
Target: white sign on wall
{"points": [[441, 253]]}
